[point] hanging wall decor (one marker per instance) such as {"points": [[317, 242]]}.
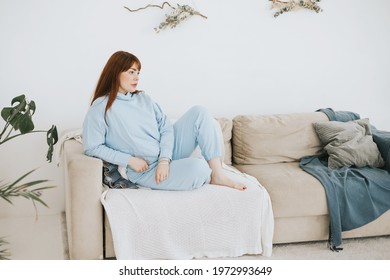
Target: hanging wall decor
{"points": [[285, 6], [175, 17]]}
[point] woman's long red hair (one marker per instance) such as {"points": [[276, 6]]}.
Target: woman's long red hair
{"points": [[108, 83]]}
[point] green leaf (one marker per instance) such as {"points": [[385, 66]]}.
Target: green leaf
{"points": [[4, 253], [14, 119], [15, 113], [29, 184], [19, 99], [21, 107], [52, 135], [49, 155], [52, 139], [20, 115], [32, 107], [25, 124], [6, 198], [6, 113], [26, 190], [21, 177]]}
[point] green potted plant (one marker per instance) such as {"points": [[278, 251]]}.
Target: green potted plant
{"points": [[18, 122]]}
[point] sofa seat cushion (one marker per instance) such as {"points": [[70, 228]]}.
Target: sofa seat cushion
{"points": [[293, 192], [265, 139]]}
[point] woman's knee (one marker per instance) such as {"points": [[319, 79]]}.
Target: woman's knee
{"points": [[199, 110]]}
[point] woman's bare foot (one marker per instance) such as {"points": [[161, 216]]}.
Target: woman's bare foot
{"points": [[222, 180]]}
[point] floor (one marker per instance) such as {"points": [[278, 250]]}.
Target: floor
{"points": [[31, 238]]}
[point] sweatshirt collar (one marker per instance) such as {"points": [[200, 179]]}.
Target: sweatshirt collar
{"points": [[126, 96]]}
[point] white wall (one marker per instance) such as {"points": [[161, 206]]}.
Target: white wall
{"points": [[241, 60]]}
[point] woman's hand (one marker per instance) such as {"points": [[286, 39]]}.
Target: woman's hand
{"points": [[138, 164], [162, 171]]}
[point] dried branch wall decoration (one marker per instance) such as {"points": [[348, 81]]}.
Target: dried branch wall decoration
{"points": [[285, 6], [175, 17]]}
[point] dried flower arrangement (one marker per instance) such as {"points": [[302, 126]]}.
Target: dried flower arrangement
{"points": [[177, 15], [285, 6]]}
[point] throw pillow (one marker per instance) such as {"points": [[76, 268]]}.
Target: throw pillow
{"points": [[349, 143], [382, 140], [113, 179]]}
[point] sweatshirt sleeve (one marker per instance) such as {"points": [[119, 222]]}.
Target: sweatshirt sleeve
{"points": [[94, 135], [166, 131]]}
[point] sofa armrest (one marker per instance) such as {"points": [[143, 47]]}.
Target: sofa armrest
{"points": [[83, 187]]}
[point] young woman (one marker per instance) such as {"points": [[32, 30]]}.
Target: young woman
{"points": [[126, 127]]}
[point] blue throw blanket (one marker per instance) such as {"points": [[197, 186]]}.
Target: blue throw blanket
{"points": [[355, 196]]}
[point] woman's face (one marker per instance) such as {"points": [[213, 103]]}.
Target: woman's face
{"points": [[128, 80]]}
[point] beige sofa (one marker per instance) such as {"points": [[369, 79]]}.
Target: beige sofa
{"points": [[267, 147]]}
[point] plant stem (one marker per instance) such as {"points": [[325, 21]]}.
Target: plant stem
{"points": [[150, 6], [4, 130], [9, 138]]}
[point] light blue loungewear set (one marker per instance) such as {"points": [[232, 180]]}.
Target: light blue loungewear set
{"points": [[135, 126]]}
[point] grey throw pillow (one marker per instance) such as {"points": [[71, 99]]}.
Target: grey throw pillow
{"points": [[349, 143]]}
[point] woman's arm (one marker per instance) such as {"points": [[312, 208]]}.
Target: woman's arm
{"points": [[94, 140], [166, 131]]}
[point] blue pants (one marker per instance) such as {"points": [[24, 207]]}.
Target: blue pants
{"points": [[195, 127]]}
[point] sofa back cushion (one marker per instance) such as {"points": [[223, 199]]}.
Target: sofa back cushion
{"points": [[265, 139], [226, 128]]}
